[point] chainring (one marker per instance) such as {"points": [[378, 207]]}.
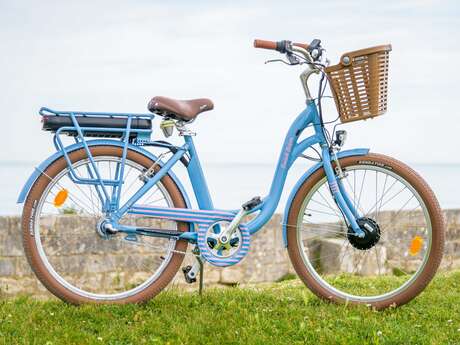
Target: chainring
{"points": [[218, 254]]}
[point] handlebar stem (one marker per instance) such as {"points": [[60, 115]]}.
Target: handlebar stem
{"points": [[304, 80]]}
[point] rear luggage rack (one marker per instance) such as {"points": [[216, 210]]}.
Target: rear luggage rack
{"points": [[91, 124]]}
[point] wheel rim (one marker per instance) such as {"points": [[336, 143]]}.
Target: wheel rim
{"points": [[87, 209], [318, 236]]}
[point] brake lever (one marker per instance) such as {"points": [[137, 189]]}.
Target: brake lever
{"points": [[278, 60], [292, 60]]}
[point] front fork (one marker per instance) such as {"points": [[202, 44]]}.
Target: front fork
{"points": [[338, 192]]}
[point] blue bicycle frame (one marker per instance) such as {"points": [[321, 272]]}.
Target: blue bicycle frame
{"points": [[292, 148]]}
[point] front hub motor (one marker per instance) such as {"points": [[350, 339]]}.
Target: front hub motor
{"points": [[223, 254], [371, 234]]}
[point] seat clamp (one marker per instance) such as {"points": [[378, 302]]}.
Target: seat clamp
{"points": [[183, 130]]}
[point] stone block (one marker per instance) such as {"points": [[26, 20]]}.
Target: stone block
{"points": [[7, 267], [231, 275], [336, 258]]}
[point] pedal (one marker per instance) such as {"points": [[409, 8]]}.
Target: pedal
{"points": [[189, 275], [251, 204]]}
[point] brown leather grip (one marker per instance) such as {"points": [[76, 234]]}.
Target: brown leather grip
{"points": [[265, 44], [272, 44]]}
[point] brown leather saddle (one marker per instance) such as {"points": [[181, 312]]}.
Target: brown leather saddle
{"points": [[186, 110]]}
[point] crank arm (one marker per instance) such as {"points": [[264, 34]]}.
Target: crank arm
{"points": [[228, 232]]}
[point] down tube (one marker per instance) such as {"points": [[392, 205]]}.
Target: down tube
{"points": [[290, 147]]}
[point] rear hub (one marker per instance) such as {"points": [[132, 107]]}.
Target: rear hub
{"points": [[371, 234], [105, 229]]}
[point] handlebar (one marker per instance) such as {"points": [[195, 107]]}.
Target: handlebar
{"points": [[278, 46]]}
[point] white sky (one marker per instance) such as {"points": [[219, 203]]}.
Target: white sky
{"points": [[114, 56]]}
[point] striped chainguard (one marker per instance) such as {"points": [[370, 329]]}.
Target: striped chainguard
{"points": [[203, 219]]}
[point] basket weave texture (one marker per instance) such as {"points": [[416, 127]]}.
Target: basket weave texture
{"points": [[359, 83]]}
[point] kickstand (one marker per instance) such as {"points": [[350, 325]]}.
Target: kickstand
{"points": [[200, 291]]}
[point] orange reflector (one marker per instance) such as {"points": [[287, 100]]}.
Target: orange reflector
{"points": [[415, 245], [61, 197]]}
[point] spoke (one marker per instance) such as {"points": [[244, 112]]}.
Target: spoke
{"points": [[157, 200], [354, 195], [319, 230], [377, 257], [380, 207], [91, 196], [86, 197], [354, 188], [77, 202], [57, 183], [319, 236], [328, 213], [345, 251], [362, 185], [324, 224], [332, 208], [125, 192], [399, 211], [394, 196], [381, 199], [362, 255], [320, 203], [140, 269], [376, 189], [322, 257], [151, 195]]}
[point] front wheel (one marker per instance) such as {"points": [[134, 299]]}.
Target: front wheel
{"points": [[404, 229]]}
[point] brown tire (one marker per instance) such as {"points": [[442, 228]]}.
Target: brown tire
{"points": [[428, 271], [35, 261]]}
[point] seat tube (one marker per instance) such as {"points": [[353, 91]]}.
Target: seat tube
{"points": [[197, 179]]}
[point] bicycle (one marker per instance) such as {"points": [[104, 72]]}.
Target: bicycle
{"points": [[107, 221]]}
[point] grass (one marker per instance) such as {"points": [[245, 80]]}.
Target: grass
{"points": [[279, 313]]}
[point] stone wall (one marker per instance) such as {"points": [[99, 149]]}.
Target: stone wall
{"points": [[267, 261]]}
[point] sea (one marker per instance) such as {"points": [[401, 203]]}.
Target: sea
{"points": [[231, 184]]}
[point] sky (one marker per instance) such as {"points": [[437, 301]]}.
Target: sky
{"points": [[116, 55]]}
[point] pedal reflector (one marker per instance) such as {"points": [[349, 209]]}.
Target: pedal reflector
{"points": [[61, 197], [415, 245]]}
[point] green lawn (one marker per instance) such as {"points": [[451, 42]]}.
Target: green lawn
{"points": [[281, 313]]}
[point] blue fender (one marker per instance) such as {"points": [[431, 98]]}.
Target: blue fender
{"points": [[38, 171], [342, 154]]}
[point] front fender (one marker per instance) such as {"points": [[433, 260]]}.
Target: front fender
{"points": [[342, 154], [42, 167]]}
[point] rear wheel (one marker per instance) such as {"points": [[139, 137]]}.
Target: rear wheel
{"points": [[69, 254], [404, 230]]}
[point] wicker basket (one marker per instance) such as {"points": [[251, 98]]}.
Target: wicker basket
{"points": [[359, 83]]}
